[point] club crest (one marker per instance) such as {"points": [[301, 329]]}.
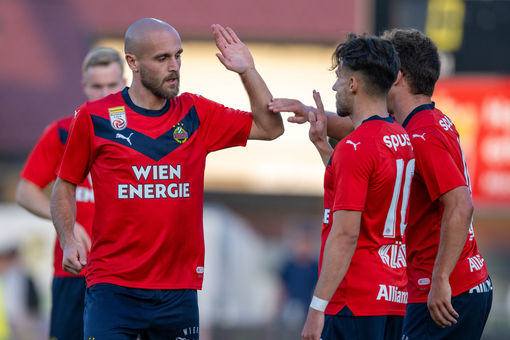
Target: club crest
{"points": [[118, 117], [180, 135]]}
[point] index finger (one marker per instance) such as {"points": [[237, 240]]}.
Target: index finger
{"points": [[318, 102]]}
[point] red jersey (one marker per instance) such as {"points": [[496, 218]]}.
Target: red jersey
{"points": [[440, 167], [370, 171], [148, 172], [41, 168]]}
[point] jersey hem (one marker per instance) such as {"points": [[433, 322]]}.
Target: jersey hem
{"points": [[130, 284], [457, 291]]}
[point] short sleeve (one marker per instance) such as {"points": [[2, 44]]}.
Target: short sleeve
{"points": [[436, 166], [224, 127], [352, 168], [78, 157], [42, 163]]}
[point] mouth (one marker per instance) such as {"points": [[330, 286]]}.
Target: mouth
{"points": [[171, 80]]}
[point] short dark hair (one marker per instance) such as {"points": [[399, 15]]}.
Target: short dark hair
{"points": [[375, 58], [102, 56], [419, 59]]}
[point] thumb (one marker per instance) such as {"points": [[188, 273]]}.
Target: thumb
{"points": [[312, 118], [221, 58], [82, 255]]}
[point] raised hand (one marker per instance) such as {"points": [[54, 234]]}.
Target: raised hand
{"points": [[318, 121], [234, 54]]}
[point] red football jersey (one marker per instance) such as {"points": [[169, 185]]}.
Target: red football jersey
{"points": [[41, 168], [370, 171], [147, 167], [440, 167]]}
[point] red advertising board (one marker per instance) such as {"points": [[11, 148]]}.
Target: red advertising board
{"points": [[480, 108]]}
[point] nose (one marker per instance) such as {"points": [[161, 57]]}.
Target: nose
{"points": [[174, 64]]}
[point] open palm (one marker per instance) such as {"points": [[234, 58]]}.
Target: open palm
{"points": [[233, 52]]}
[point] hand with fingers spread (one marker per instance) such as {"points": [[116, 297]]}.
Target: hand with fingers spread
{"points": [[75, 256], [234, 54], [299, 109], [440, 305]]}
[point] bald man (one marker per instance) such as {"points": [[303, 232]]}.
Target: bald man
{"points": [[148, 146], [102, 74]]}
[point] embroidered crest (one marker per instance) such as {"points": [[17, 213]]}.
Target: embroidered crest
{"points": [[118, 117], [180, 135]]}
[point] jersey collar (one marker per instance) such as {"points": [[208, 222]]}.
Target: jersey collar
{"points": [[416, 110], [141, 110], [388, 119]]}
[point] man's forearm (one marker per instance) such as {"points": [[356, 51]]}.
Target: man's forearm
{"points": [[457, 215], [33, 199], [338, 127], [260, 96], [63, 210], [338, 251], [325, 151]]}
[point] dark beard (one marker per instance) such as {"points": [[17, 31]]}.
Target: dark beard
{"points": [[340, 111], [157, 89]]}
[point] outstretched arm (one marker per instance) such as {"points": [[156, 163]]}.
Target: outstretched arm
{"points": [[63, 211], [337, 127], [338, 251], [457, 215], [236, 57]]}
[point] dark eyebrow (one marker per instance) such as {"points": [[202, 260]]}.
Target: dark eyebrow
{"points": [[167, 54]]}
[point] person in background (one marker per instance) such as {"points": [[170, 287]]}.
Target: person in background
{"points": [[102, 74]]}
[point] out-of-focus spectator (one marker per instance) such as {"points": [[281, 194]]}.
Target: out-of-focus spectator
{"points": [[298, 277], [20, 317]]}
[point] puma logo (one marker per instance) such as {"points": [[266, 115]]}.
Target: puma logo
{"points": [[421, 136], [121, 136], [353, 144]]}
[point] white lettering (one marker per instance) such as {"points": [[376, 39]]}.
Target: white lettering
{"points": [[325, 220], [392, 294], [446, 123], [163, 171], [141, 171], [138, 191], [122, 191], [160, 191], [475, 263], [84, 194], [394, 141], [393, 255]]}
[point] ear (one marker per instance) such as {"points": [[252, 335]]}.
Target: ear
{"points": [[132, 62], [353, 84], [399, 80]]}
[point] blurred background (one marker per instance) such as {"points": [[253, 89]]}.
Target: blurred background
{"points": [[263, 206]]}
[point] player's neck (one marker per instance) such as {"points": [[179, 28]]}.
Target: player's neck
{"points": [[364, 109], [408, 103], [143, 97]]}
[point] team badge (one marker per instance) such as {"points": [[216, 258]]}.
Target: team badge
{"points": [[118, 117], [180, 135]]}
